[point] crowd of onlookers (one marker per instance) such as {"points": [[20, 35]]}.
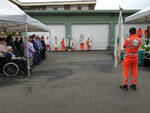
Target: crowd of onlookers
{"points": [[29, 52]]}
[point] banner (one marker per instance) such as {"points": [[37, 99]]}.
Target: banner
{"points": [[119, 40]]}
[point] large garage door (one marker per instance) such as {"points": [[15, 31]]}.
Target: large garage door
{"points": [[56, 30], [98, 32]]}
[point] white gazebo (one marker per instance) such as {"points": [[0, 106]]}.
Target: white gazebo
{"points": [[142, 16], [13, 19]]}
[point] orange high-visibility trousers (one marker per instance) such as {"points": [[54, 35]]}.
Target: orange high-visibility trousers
{"points": [[130, 62], [82, 46], [56, 49], [63, 48], [88, 47]]}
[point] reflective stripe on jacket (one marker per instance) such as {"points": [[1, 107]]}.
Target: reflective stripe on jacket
{"points": [[131, 46]]}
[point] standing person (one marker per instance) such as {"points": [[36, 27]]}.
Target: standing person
{"points": [[16, 49], [131, 46], [139, 32], [72, 44], [81, 41], [81, 46], [88, 44], [9, 41], [21, 49], [48, 48], [37, 49], [38, 39], [56, 44], [43, 51], [63, 45], [147, 32], [29, 46], [21, 40], [16, 44]]}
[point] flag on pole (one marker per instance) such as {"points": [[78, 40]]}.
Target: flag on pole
{"points": [[119, 39]]}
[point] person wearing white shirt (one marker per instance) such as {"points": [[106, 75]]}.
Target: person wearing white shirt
{"points": [[3, 49], [48, 44], [3, 52]]}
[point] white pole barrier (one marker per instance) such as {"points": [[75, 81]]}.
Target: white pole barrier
{"points": [[28, 62]]}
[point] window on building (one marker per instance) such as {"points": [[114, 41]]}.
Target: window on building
{"points": [[91, 7], [67, 7], [79, 8], [55, 8]]}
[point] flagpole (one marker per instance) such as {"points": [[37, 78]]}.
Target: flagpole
{"points": [[119, 40]]}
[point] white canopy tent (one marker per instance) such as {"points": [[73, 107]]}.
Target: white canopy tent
{"points": [[13, 19], [141, 16]]}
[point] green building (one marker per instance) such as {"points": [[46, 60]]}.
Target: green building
{"points": [[100, 25]]}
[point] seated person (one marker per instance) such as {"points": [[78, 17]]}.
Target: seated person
{"points": [[18, 60], [3, 52]]}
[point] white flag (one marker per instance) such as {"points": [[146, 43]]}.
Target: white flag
{"points": [[119, 40]]}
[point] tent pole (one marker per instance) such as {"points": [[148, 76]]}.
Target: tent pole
{"points": [[50, 40], [28, 62]]}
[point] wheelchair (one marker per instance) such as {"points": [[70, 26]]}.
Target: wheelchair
{"points": [[11, 67]]}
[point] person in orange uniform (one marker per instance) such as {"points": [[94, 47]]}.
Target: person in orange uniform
{"points": [[82, 46], [63, 45], [56, 44], [139, 32], [131, 46], [88, 45], [147, 31]]}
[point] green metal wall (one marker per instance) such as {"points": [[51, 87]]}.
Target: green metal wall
{"points": [[70, 17]]}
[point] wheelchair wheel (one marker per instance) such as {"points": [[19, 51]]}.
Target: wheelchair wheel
{"points": [[10, 69]]}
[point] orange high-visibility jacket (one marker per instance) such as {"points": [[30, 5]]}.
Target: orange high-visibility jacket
{"points": [[81, 46], [139, 33], [146, 30], [62, 43], [88, 45], [131, 46]]}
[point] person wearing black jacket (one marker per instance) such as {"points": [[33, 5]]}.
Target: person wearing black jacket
{"points": [[43, 51]]}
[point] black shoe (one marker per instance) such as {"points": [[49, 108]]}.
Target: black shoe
{"points": [[133, 87], [124, 87]]}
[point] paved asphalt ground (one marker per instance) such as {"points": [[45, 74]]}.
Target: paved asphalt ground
{"points": [[78, 82]]}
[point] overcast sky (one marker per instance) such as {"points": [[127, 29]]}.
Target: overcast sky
{"points": [[110, 4]]}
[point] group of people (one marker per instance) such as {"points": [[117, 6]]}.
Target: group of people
{"points": [[141, 34], [65, 42], [32, 50]]}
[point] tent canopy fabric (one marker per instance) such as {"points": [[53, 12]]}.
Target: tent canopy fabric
{"points": [[13, 19], [141, 16]]}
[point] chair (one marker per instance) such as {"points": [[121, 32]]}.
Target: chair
{"points": [[146, 55]]}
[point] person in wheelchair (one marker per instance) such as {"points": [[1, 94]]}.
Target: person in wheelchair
{"points": [[18, 60]]}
